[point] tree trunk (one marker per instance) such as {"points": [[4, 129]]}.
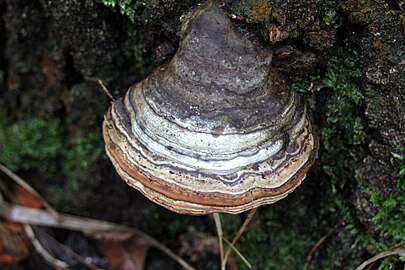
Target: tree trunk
{"points": [[345, 57]]}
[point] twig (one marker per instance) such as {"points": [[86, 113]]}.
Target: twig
{"points": [[218, 225], [370, 266], [55, 263], [398, 245], [32, 216], [239, 234], [100, 82], [65, 249], [238, 253], [153, 242], [400, 252], [320, 242], [25, 185]]}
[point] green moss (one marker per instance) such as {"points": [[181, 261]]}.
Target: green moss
{"points": [[342, 136], [274, 239], [41, 144], [345, 124], [389, 223], [329, 11], [126, 7], [389, 231], [80, 155], [401, 158], [31, 144], [304, 86], [390, 210], [343, 128]]}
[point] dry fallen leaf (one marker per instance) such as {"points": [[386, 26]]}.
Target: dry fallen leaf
{"points": [[26, 198], [123, 251], [27, 213], [13, 248], [115, 236]]}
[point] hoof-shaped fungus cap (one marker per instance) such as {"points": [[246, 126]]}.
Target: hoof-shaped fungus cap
{"points": [[215, 129]]}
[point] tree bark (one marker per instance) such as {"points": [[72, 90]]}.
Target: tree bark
{"points": [[53, 52]]}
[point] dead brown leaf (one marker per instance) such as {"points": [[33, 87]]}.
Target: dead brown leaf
{"points": [[26, 198], [128, 254], [13, 248], [115, 236]]}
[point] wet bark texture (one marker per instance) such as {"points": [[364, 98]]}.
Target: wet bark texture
{"points": [[53, 52]]}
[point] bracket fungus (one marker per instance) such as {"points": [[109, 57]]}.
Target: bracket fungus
{"points": [[215, 129]]}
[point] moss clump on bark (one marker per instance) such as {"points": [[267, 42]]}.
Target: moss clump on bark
{"points": [[40, 144], [389, 218], [31, 144], [126, 7], [343, 131], [345, 124], [329, 11], [274, 239]]}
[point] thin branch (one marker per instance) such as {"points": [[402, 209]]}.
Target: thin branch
{"points": [[320, 242], [25, 185], [103, 87], [100, 82], [65, 249], [54, 262], [218, 225], [153, 242], [239, 234], [89, 226], [52, 218], [238, 253], [400, 252]]}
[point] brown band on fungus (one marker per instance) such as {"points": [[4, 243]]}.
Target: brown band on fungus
{"points": [[207, 199]]}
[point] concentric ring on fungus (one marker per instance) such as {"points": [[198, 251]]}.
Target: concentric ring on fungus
{"points": [[215, 129]]}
